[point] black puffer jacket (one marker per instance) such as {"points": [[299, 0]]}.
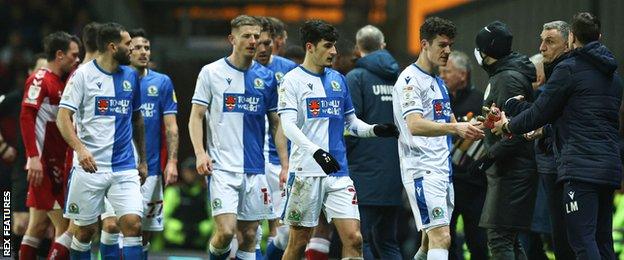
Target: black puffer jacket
{"points": [[512, 181], [582, 100]]}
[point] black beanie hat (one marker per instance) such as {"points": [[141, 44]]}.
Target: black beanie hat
{"points": [[494, 40]]}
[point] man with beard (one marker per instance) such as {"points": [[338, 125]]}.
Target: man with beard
{"points": [[315, 109], [159, 107], [104, 97], [509, 162], [273, 166], [235, 94], [422, 109], [45, 147], [581, 99]]}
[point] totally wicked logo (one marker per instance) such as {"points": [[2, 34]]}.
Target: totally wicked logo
{"points": [[324, 107], [441, 109], [111, 106], [243, 103]]}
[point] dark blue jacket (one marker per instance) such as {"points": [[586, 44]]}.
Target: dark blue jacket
{"points": [[582, 100], [374, 162]]}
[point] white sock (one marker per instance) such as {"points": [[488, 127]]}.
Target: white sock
{"points": [[258, 236], [245, 255], [218, 251], [79, 246], [319, 244], [132, 241], [31, 241], [420, 255], [65, 239], [233, 247], [437, 254], [109, 238], [281, 239]]}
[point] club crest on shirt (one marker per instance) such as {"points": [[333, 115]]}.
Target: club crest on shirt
{"points": [[152, 91], [127, 86], [279, 77], [258, 83], [335, 86]]}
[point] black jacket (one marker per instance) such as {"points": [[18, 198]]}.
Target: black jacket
{"points": [[512, 181], [374, 162], [582, 100]]}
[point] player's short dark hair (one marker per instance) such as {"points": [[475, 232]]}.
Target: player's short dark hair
{"points": [[294, 53], [244, 20], [313, 31], [138, 32], [89, 36], [109, 32], [266, 25], [56, 41], [278, 26], [585, 27], [434, 26]]}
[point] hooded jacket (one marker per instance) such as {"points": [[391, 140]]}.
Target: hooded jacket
{"points": [[582, 100], [374, 162], [512, 181]]}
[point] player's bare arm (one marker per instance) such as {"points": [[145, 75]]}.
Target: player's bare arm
{"points": [[138, 134], [171, 132], [196, 131], [281, 144], [423, 127], [65, 126]]}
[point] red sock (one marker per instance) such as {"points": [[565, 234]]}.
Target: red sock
{"points": [[312, 254], [27, 252], [58, 252]]}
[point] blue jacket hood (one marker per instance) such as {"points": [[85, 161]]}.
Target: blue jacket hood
{"points": [[598, 55], [380, 63]]}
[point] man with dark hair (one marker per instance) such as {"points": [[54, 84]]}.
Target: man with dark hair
{"points": [[104, 96], [583, 85], [509, 163], [281, 35], [273, 166], [422, 109], [374, 164], [466, 102], [294, 53], [159, 107], [236, 93], [315, 108], [89, 39], [45, 148], [345, 56]]}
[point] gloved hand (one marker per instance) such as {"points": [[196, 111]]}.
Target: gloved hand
{"points": [[386, 130], [327, 162], [479, 166]]}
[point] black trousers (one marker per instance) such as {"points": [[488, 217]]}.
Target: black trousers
{"points": [[379, 232], [554, 193], [589, 219], [469, 204]]}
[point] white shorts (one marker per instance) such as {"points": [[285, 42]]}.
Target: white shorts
{"points": [[152, 191], [246, 195], [108, 209], [86, 192], [278, 195], [431, 198], [307, 196]]}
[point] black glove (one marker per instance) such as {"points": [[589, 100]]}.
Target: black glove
{"points": [[386, 130], [479, 167], [327, 162]]}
